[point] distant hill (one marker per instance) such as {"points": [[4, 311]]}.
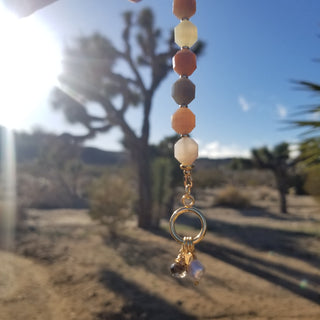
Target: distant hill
{"points": [[206, 163], [95, 156], [28, 147]]}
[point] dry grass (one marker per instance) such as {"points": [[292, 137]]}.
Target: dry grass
{"points": [[231, 196], [111, 201]]}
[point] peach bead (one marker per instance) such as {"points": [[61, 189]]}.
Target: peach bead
{"points": [[183, 121], [184, 62], [184, 8]]}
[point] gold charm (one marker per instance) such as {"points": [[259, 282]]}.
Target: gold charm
{"points": [[186, 262]]}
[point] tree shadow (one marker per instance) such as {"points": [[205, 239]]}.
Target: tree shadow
{"points": [[139, 304], [263, 269], [263, 238], [259, 212], [141, 253], [145, 254], [281, 241]]}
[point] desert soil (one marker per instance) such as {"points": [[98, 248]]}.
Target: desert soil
{"points": [[259, 265]]}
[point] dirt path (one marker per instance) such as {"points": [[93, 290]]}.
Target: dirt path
{"points": [[260, 266], [25, 291]]}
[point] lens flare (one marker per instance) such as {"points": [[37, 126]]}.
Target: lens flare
{"points": [[30, 62], [8, 199]]}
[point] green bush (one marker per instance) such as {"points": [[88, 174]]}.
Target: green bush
{"points": [[162, 190], [312, 182], [111, 201], [232, 197]]}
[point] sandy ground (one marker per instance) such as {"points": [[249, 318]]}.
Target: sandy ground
{"points": [[259, 265]]}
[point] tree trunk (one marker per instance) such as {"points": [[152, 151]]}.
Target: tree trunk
{"points": [[283, 201], [282, 189], [144, 191]]}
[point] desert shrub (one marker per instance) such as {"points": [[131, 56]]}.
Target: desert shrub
{"points": [[111, 201], [296, 183], [218, 177], [230, 196], [265, 193], [251, 178], [312, 182], [241, 164], [39, 191], [209, 178]]}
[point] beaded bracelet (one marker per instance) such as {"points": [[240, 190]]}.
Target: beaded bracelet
{"points": [[185, 149]]}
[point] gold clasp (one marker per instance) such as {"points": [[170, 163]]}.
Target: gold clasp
{"points": [[187, 199]]}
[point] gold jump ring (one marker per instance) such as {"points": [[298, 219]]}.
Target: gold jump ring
{"points": [[181, 211], [188, 200]]}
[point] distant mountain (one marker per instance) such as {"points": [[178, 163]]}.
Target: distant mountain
{"points": [[28, 148], [95, 156], [206, 163]]}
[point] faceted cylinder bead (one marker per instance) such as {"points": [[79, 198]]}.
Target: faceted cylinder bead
{"points": [[185, 34], [196, 270], [184, 8], [183, 91], [186, 151], [183, 121], [184, 62]]}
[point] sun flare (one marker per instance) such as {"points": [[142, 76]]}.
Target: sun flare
{"points": [[30, 61]]}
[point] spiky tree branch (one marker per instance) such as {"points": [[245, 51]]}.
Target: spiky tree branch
{"points": [[310, 146], [95, 71]]}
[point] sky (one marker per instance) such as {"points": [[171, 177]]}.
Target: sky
{"points": [[244, 89]]}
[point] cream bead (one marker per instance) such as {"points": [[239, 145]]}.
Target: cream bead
{"points": [[186, 151], [185, 34]]}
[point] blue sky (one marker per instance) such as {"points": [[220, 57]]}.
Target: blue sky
{"points": [[254, 49]]}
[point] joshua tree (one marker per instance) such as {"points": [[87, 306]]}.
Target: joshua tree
{"points": [[310, 146], [91, 75], [276, 160], [313, 125]]}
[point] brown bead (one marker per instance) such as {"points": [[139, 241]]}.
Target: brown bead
{"points": [[184, 62], [183, 121], [183, 91], [184, 8]]}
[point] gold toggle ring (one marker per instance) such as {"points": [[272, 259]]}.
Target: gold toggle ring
{"points": [[181, 211]]}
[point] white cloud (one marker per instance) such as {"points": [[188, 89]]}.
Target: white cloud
{"points": [[282, 111], [214, 150], [244, 104], [316, 116], [294, 150]]}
